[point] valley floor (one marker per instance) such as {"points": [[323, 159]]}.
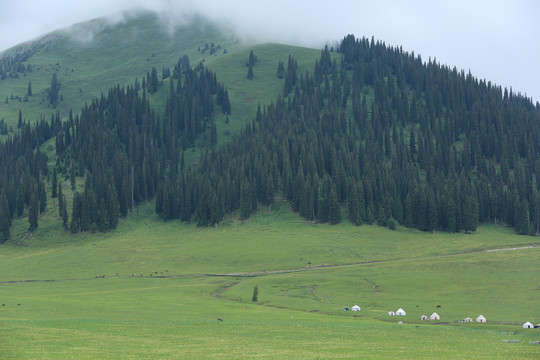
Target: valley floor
{"points": [[170, 291]]}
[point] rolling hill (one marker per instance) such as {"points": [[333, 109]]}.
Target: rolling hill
{"points": [[140, 224]]}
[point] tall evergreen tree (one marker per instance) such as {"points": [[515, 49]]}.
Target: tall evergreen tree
{"points": [[5, 218], [33, 209], [54, 185], [470, 214], [334, 209]]}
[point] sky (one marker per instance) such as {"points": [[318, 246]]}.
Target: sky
{"points": [[496, 40]]}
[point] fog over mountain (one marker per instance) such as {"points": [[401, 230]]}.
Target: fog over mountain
{"points": [[496, 40]]}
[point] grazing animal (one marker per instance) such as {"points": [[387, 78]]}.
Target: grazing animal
{"points": [[219, 319], [3, 304], [417, 305], [19, 304], [438, 306]]}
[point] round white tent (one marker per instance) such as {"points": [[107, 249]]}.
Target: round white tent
{"points": [[435, 316], [401, 312], [480, 319], [355, 308], [528, 325]]}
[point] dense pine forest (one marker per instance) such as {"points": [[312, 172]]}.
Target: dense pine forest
{"points": [[372, 134]]}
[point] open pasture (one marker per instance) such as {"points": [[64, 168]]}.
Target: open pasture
{"points": [[172, 310]]}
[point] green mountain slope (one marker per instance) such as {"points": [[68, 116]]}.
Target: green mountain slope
{"points": [[368, 135], [90, 57]]}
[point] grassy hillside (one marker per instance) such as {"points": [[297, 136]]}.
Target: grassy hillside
{"points": [[149, 287], [155, 289], [91, 57]]}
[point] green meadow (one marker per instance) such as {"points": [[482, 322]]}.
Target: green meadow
{"points": [[154, 289], [90, 57]]}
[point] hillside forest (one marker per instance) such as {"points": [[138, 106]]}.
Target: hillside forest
{"points": [[372, 135]]}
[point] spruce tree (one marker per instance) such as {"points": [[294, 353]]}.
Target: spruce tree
{"points": [[54, 185], [353, 205], [245, 201], [113, 207], [5, 218], [53, 90], [451, 222], [432, 214], [103, 217], [334, 210], [33, 209], [42, 195], [76, 214], [64, 213], [470, 214]]}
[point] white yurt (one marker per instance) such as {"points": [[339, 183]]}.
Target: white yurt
{"points": [[528, 325], [480, 319], [355, 308], [467, 319], [435, 316], [391, 313], [424, 317], [401, 312]]}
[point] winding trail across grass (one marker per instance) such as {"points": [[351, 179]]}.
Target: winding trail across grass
{"points": [[282, 271]]}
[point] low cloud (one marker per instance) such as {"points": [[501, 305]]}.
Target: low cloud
{"points": [[496, 39]]}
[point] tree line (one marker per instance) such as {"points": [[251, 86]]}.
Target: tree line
{"points": [[373, 134]]}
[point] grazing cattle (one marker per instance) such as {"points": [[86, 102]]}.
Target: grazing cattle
{"points": [[19, 304], [417, 305], [438, 306], [219, 319], [3, 304]]}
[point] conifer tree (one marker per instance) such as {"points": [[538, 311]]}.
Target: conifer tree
{"points": [[64, 213], [53, 90], [76, 214], [33, 209], [54, 185], [42, 195], [5, 218], [103, 217], [113, 207], [470, 214], [245, 201], [334, 209]]}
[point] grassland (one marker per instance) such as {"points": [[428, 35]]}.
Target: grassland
{"points": [[91, 57], [154, 289], [160, 296]]}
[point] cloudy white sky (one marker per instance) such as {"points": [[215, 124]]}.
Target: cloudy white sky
{"points": [[497, 40]]}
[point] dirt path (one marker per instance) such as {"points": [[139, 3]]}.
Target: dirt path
{"points": [[323, 266], [283, 271], [514, 248]]}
